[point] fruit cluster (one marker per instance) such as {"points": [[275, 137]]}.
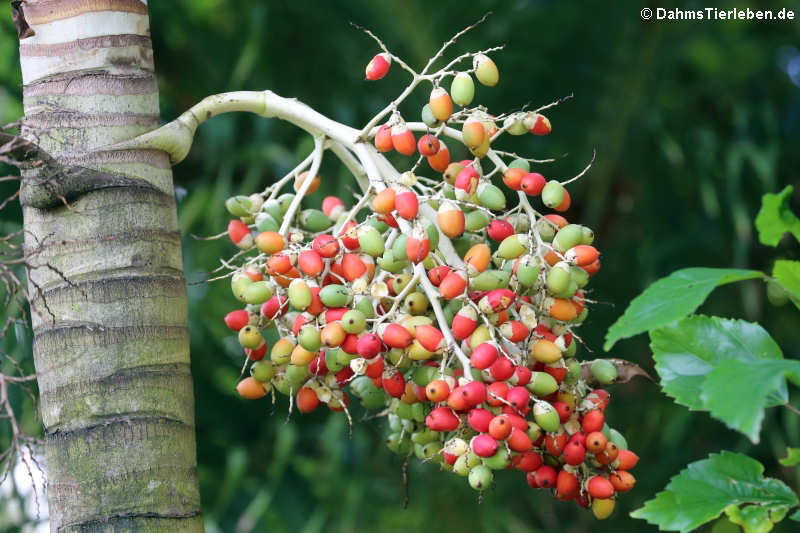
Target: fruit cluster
{"points": [[433, 302]]}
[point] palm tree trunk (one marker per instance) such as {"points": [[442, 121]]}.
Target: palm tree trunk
{"points": [[111, 337]]}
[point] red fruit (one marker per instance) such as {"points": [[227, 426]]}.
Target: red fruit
{"points": [[555, 443], [513, 178], [343, 376], [558, 373], [383, 140], [417, 248], [497, 300], [523, 375], [428, 145], [375, 370], [238, 319], [441, 160], [393, 383], [532, 184], [483, 356], [457, 400], [352, 267], [567, 485], [317, 365], [500, 427], [582, 255], [333, 207], [608, 455], [240, 234], [484, 445], [519, 441], [349, 238], [518, 397], [429, 337], [541, 125], [369, 345], [474, 393], [301, 320], [467, 180], [501, 369], [564, 411], [592, 268], [497, 391], [499, 229], [593, 421], [389, 220], [307, 400], [622, 481], [403, 139], [479, 419], [395, 336], [453, 285], [334, 314], [350, 344], [450, 458], [407, 204], [626, 460], [437, 390], [316, 306], [514, 330], [310, 263], [341, 404], [442, 419], [464, 323], [529, 461], [326, 246], [545, 477], [599, 487], [378, 67], [574, 453], [437, 274], [564, 205], [257, 354], [596, 442]]}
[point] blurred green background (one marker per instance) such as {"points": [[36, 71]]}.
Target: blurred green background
{"points": [[692, 123]]}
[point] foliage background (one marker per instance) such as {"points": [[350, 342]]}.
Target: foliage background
{"points": [[692, 123]]}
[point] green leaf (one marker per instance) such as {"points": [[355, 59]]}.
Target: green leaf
{"points": [[792, 457], [731, 368], [705, 488], [795, 516], [788, 275], [672, 298], [775, 218], [752, 518]]}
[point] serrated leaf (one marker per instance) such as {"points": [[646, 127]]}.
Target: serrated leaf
{"points": [[788, 275], [775, 218], [705, 488], [672, 298], [731, 368], [792, 457]]}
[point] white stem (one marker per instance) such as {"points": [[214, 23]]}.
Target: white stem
{"points": [[319, 148]]}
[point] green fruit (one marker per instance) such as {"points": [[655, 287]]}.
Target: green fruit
{"points": [[398, 443], [314, 220], [515, 125], [257, 293], [546, 416], [265, 222], [579, 276], [513, 246], [428, 118], [418, 412], [480, 477], [476, 220], [573, 371], [558, 278], [354, 321], [299, 294], [332, 360], [388, 263], [427, 451], [489, 280], [250, 337], [460, 467], [603, 371], [545, 229], [462, 244], [542, 384], [485, 70], [400, 282], [239, 283], [527, 271], [567, 237], [433, 235], [423, 375], [334, 295], [416, 303], [553, 194], [520, 222], [273, 208], [284, 201], [520, 163], [572, 349], [462, 89], [262, 371], [424, 436], [399, 248], [365, 305], [491, 197], [370, 240], [587, 235], [617, 438], [534, 432], [309, 338], [449, 192], [297, 375], [239, 206], [282, 384], [499, 460]]}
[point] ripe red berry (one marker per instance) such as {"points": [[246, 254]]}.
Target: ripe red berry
{"points": [[378, 67]]}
